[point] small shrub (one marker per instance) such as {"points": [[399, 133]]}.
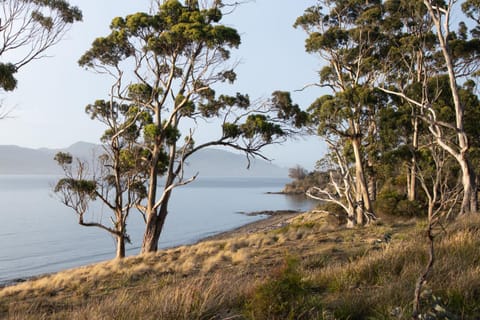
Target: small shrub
{"points": [[335, 210], [283, 296], [409, 208], [391, 202]]}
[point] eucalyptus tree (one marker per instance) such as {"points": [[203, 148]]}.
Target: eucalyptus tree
{"points": [[440, 52], [169, 63], [116, 180], [346, 35], [27, 29], [409, 35]]}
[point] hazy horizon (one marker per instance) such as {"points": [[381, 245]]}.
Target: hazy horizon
{"points": [[50, 113]]}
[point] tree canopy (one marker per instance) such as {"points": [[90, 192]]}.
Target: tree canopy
{"points": [[28, 28], [168, 64]]}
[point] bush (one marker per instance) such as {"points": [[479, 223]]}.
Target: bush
{"points": [[335, 210], [283, 296], [391, 202]]}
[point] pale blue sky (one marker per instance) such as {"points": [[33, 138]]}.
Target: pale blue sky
{"points": [[52, 93]]}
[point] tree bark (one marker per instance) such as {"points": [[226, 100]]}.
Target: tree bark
{"points": [[154, 229], [157, 214], [470, 197], [362, 196], [372, 185], [120, 247], [412, 172]]}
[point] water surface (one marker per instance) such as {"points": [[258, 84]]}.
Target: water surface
{"points": [[40, 235]]}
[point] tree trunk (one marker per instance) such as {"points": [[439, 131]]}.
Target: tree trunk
{"points": [[154, 228], [412, 172], [362, 196], [372, 186], [412, 180], [120, 247], [470, 197]]}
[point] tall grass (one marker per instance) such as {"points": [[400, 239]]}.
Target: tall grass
{"points": [[336, 274]]}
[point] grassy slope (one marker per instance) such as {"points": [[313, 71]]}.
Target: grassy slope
{"points": [[309, 269]]}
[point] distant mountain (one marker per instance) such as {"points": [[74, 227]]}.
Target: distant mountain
{"points": [[17, 160], [208, 163], [220, 163]]}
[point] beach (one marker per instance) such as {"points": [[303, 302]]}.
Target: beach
{"points": [[274, 220]]}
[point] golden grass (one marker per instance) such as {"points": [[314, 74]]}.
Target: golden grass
{"points": [[346, 274]]}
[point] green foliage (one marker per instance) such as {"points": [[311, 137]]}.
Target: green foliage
{"points": [[80, 186], [129, 159], [162, 164], [151, 131], [69, 14], [124, 121], [229, 76], [283, 296], [231, 130], [392, 202], [175, 29], [335, 210], [7, 80], [29, 27], [212, 107], [304, 180], [259, 125], [43, 21], [63, 158], [110, 50], [140, 92], [175, 52], [172, 134], [286, 110]]}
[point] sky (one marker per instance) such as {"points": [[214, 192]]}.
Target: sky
{"points": [[48, 105]]}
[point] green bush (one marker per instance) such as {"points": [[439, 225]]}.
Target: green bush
{"points": [[335, 210], [391, 202], [283, 296]]}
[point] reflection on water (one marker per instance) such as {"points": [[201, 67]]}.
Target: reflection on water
{"points": [[40, 235], [300, 201]]}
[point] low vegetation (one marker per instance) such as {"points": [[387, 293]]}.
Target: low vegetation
{"points": [[302, 180], [310, 268]]}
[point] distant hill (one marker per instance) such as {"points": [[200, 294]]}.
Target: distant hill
{"points": [[221, 163], [210, 162]]}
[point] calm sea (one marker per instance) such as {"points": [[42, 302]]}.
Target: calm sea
{"points": [[40, 235]]}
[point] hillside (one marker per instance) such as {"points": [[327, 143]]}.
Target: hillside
{"points": [[305, 267], [211, 162]]}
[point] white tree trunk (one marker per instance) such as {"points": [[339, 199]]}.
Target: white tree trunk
{"points": [[362, 195]]}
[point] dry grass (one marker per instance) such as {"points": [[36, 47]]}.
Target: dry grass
{"points": [[343, 274]]}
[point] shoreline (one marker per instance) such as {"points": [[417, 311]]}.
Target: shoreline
{"points": [[275, 219]]}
